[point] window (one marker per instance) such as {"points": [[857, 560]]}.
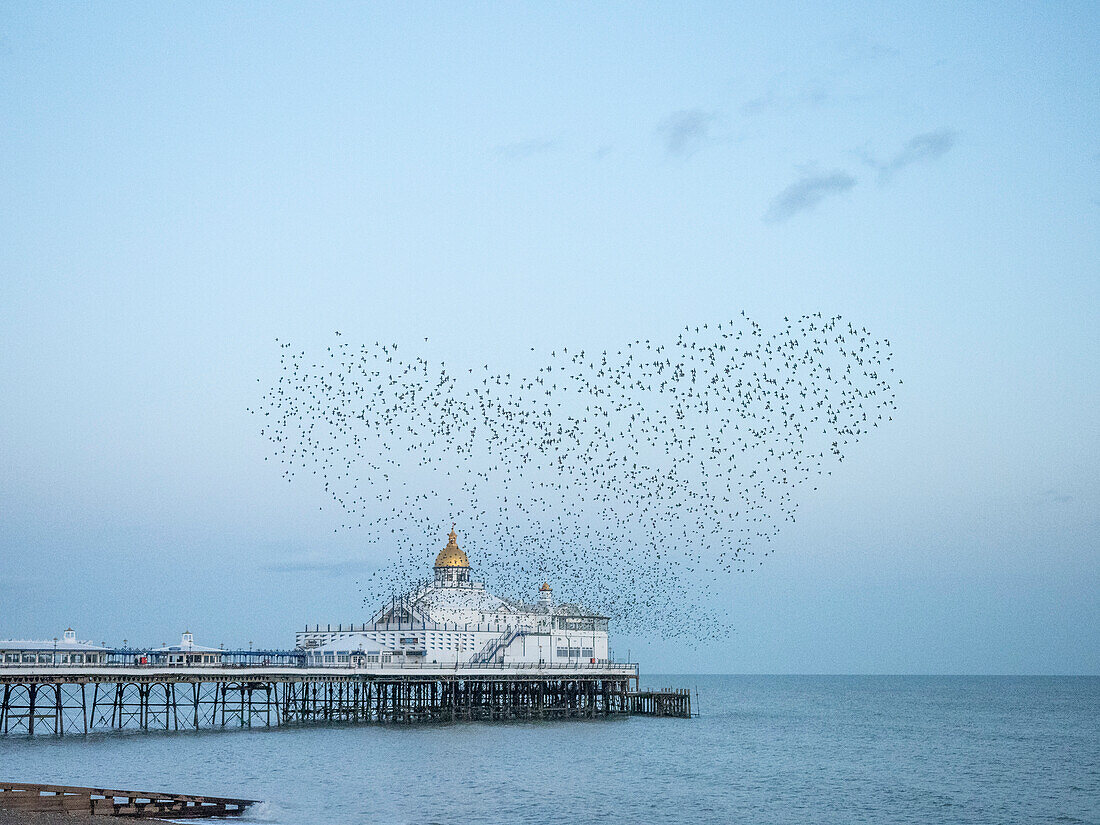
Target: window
{"points": [[574, 623]]}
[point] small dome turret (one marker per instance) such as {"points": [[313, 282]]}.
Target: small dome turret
{"points": [[451, 565], [452, 555]]}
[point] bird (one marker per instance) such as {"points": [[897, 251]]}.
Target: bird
{"points": [[644, 478]]}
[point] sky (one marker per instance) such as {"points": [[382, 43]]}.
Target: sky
{"points": [[181, 185]]}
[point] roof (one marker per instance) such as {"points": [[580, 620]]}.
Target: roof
{"points": [[569, 609], [566, 609], [47, 645], [191, 648], [473, 599], [520, 606]]}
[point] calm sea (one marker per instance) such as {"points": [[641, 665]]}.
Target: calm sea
{"points": [[767, 749]]}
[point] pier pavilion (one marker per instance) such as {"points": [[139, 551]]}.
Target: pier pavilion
{"points": [[454, 619], [60, 651]]}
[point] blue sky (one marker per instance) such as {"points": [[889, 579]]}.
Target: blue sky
{"points": [[183, 184]]}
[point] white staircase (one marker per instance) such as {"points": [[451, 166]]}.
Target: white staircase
{"points": [[494, 646]]}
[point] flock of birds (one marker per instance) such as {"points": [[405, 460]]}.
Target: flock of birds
{"points": [[635, 480]]}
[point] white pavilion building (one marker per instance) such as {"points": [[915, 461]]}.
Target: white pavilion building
{"points": [[187, 653], [64, 651], [453, 619]]}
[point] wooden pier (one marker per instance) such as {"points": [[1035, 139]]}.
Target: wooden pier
{"points": [[26, 797], [67, 700], [667, 702]]}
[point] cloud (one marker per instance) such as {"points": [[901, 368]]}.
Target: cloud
{"points": [[806, 193], [772, 102], [329, 568], [685, 131], [920, 149], [1052, 496], [526, 148], [855, 48]]}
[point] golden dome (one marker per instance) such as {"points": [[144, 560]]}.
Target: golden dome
{"points": [[451, 555], [545, 587]]}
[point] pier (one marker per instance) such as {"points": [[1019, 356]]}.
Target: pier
{"points": [[64, 700], [668, 702]]}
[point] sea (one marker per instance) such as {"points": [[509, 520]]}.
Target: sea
{"points": [[764, 749]]}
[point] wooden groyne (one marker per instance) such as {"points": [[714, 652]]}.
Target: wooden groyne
{"points": [[28, 797]]}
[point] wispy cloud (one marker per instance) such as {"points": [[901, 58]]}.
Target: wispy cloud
{"points": [[855, 48], [1052, 496], [527, 148], [773, 102], [684, 132], [328, 568], [806, 193], [920, 149]]}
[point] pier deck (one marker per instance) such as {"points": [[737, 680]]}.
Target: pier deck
{"points": [[81, 699]]}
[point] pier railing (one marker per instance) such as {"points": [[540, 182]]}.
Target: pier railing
{"points": [[371, 668]]}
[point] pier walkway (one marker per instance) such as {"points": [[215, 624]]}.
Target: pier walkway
{"points": [[64, 699]]}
